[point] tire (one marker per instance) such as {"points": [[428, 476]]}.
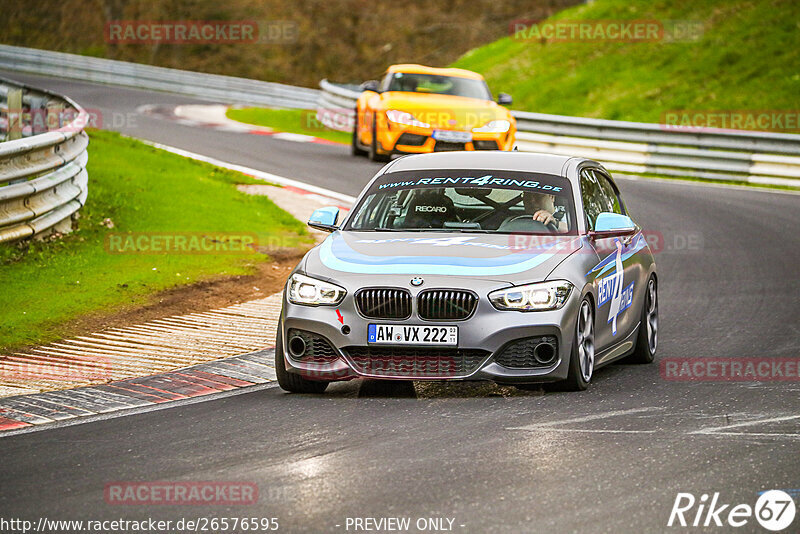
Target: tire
{"points": [[355, 148], [647, 337], [293, 382], [581, 359], [374, 155]]}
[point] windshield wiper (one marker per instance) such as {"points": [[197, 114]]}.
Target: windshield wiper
{"points": [[396, 230], [438, 230]]}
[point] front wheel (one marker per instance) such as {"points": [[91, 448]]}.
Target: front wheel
{"points": [[647, 338], [374, 155], [292, 382], [581, 360], [355, 145]]}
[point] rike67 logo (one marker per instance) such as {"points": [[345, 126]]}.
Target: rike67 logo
{"points": [[774, 510]]}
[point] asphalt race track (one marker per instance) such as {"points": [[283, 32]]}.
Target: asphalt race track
{"points": [[611, 459]]}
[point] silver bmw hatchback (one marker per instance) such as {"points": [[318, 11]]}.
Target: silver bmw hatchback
{"points": [[514, 267]]}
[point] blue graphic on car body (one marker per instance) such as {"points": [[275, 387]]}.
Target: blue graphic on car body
{"points": [[610, 288], [336, 254]]}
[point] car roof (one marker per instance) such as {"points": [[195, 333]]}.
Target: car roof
{"points": [[439, 71], [496, 159]]}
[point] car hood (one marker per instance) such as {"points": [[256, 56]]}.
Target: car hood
{"points": [[440, 111], [511, 258]]}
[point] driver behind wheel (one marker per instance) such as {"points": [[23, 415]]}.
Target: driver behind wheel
{"points": [[542, 207]]}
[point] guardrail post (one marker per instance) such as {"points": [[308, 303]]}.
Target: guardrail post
{"points": [[15, 116], [38, 115], [62, 227], [54, 115]]}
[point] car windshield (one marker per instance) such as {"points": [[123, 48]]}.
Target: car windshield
{"points": [[501, 202], [441, 85]]}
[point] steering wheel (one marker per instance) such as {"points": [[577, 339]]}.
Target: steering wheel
{"points": [[504, 207], [552, 226]]}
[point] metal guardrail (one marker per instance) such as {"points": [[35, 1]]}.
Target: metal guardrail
{"points": [[213, 87], [630, 147], [43, 179]]}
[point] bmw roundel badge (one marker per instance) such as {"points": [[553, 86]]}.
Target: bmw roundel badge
{"points": [[417, 281]]}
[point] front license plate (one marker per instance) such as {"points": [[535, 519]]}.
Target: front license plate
{"points": [[397, 334], [451, 136]]}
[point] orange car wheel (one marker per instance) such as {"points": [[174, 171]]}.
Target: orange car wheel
{"points": [[355, 146], [374, 155]]}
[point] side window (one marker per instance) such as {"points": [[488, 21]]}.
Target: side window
{"points": [[611, 202], [592, 197], [387, 80]]}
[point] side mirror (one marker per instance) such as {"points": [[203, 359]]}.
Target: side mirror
{"points": [[324, 219], [612, 225], [504, 99], [370, 85]]}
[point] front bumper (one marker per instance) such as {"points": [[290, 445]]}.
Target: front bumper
{"points": [[401, 139], [481, 343]]}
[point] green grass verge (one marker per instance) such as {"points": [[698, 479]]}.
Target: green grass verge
{"points": [[300, 121], [748, 58], [141, 189]]}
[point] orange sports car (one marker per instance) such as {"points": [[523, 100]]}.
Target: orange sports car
{"points": [[417, 109]]}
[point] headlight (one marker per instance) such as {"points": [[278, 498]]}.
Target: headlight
{"points": [[494, 127], [407, 119], [312, 292], [532, 297]]}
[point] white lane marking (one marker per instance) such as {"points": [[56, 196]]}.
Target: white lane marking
{"points": [[718, 431], [752, 434], [269, 177], [588, 430], [723, 430], [551, 425], [298, 138], [215, 115]]}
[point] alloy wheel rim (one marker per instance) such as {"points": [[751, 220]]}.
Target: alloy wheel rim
{"points": [[652, 316], [586, 341]]}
